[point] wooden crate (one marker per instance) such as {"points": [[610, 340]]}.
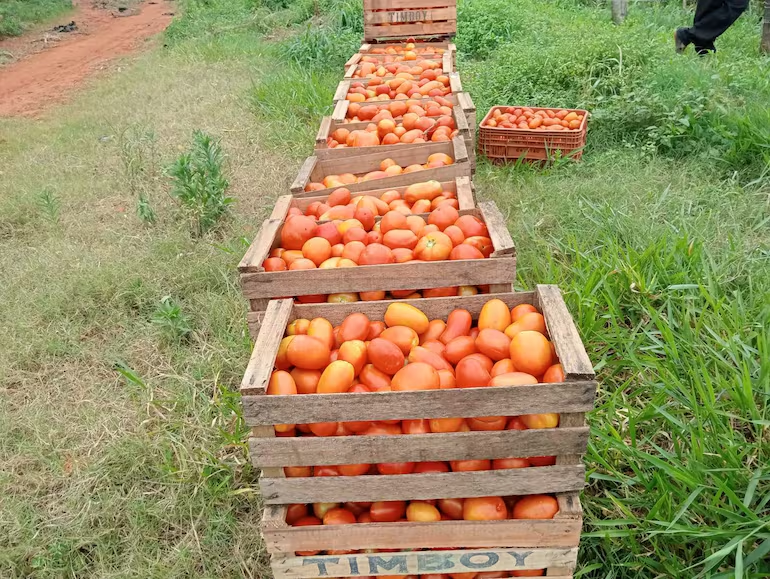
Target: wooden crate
{"points": [[259, 286], [550, 544], [315, 168], [400, 19], [329, 125], [428, 50], [455, 84], [447, 65]]}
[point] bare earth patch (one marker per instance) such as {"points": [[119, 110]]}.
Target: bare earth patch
{"points": [[49, 66]]}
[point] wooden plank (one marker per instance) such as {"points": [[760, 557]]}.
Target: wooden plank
{"points": [[311, 451], [304, 174], [464, 193], [254, 322], [355, 59], [383, 151], [323, 132], [446, 62], [562, 531], [260, 247], [426, 15], [454, 82], [260, 365], [340, 111], [564, 334], [281, 209], [268, 433], [410, 30], [410, 275], [433, 307], [450, 485], [350, 72], [371, 161], [468, 402], [461, 121], [420, 562], [406, 4], [498, 230]]}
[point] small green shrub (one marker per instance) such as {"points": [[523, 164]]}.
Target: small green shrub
{"points": [[50, 206], [173, 324], [199, 184]]}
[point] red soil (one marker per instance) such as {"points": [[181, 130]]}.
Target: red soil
{"points": [[42, 78]]}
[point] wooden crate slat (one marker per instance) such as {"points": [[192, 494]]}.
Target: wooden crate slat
{"points": [[468, 402], [333, 450], [498, 230], [402, 4], [258, 373], [450, 485], [260, 247], [432, 307], [569, 347], [419, 15], [421, 562], [409, 275], [416, 29]]}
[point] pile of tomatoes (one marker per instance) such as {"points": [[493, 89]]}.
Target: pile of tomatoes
{"points": [[410, 51], [430, 69], [540, 119], [407, 351], [432, 107], [405, 85], [350, 236], [388, 168], [384, 130]]}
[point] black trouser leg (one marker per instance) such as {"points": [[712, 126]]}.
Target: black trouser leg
{"points": [[712, 18]]}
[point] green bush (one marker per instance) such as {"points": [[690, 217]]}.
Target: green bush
{"points": [[16, 15]]}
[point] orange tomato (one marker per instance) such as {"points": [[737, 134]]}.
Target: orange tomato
{"points": [[470, 465], [339, 517], [431, 467], [472, 226], [400, 314], [464, 251], [372, 296], [487, 423], [419, 511], [324, 429], [538, 421], [503, 366], [495, 315], [274, 264], [436, 347], [446, 424], [458, 324], [446, 379], [440, 292], [530, 352], [400, 239], [392, 468], [459, 348], [298, 326], [321, 329], [306, 380], [515, 423], [452, 508], [298, 471], [296, 231], [455, 234], [385, 355], [340, 196], [387, 511], [393, 220], [419, 426], [443, 216], [471, 373], [424, 355], [302, 263], [402, 255], [506, 463], [374, 378], [281, 361], [513, 379], [484, 509], [353, 352], [403, 337], [375, 328], [518, 311], [554, 374], [416, 376], [434, 246], [376, 254], [353, 469], [308, 353], [382, 429], [353, 250], [435, 329], [317, 250], [532, 321], [493, 343], [536, 507], [354, 327]]}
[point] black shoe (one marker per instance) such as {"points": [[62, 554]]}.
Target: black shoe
{"points": [[704, 50], [680, 40]]}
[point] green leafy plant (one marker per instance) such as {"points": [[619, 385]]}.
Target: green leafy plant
{"points": [[49, 205], [173, 323], [144, 210], [199, 184]]}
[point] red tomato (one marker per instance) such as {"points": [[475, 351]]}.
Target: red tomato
{"points": [[433, 247], [385, 355], [295, 512], [453, 508], [542, 460], [353, 469], [395, 467], [354, 327], [484, 509], [296, 231], [274, 264], [431, 467], [471, 373], [387, 511], [470, 465], [535, 507], [416, 376], [458, 324], [420, 426], [494, 344], [339, 517], [506, 463], [459, 348]]}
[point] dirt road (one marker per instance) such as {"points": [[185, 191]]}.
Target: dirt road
{"points": [[39, 79]]}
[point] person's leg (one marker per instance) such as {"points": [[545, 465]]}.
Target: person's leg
{"points": [[712, 20]]}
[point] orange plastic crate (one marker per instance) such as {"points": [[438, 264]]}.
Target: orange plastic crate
{"points": [[511, 144]]}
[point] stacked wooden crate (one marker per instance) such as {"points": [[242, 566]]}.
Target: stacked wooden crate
{"points": [[277, 299]]}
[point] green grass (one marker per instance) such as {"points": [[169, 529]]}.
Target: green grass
{"points": [[122, 448], [18, 15]]}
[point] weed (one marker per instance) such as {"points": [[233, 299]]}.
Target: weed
{"points": [[144, 210], [200, 185], [50, 206], [173, 324]]}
